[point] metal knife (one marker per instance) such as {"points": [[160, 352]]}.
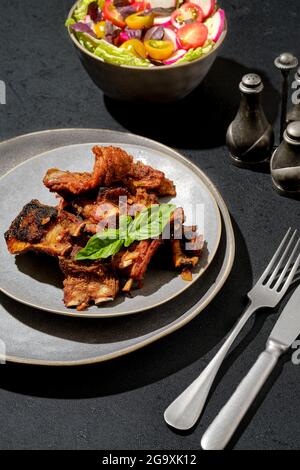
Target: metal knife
{"points": [[283, 335]]}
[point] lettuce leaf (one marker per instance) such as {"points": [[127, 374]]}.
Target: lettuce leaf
{"points": [[87, 41], [193, 54], [115, 55], [69, 22], [82, 9]]}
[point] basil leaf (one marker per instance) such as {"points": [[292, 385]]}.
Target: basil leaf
{"points": [[99, 248], [124, 224], [108, 250], [150, 223]]}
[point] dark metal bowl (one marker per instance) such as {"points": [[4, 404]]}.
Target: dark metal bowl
{"points": [[160, 84]]}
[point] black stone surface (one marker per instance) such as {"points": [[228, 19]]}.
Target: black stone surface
{"points": [[119, 405]]}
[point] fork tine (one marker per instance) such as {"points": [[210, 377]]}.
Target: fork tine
{"points": [[275, 257], [291, 275], [280, 262], [288, 265]]}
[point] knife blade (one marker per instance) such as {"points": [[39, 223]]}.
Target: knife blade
{"points": [[284, 333], [287, 327]]}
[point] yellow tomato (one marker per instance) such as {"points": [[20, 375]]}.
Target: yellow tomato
{"points": [[138, 21], [135, 46], [99, 29], [159, 50]]}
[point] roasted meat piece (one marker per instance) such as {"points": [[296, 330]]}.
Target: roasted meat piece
{"points": [[146, 177], [104, 208], [87, 282], [194, 242], [180, 258], [145, 250], [186, 244], [135, 261], [112, 166], [104, 211], [42, 228]]}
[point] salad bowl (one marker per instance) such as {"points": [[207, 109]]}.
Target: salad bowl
{"points": [[165, 83]]}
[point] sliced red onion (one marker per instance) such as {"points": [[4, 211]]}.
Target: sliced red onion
{"points": [[133, 33], [175, 57], [152, 32], [126, 10], [170, 35], [83, 28], [162, 21], [121, 3], [111, 31], [158, 34], [163, 11]]}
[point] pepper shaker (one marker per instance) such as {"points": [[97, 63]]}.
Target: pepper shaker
{"points": [[250, 137], [285, 163], [285, 63], [294, 113]]}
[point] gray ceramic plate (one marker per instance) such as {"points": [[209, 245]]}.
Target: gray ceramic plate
{"points": [[37, 281], [31, 336]]}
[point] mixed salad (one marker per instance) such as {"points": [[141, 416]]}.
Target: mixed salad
{"points": [[147, 33]]}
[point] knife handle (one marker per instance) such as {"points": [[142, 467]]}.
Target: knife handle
{"points": [[225, 424]]}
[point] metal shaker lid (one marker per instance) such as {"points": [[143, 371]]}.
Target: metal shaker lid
{"points": [[286, 61], [251, 83], [292, 133]]}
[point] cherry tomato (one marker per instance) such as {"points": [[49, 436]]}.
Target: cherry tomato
{"points": [[187, 14], [135, 46], [110, 13], [192, 35], [159, 50], [139, 21], [99, 29]]}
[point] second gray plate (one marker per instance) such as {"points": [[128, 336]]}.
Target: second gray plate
{"points": [[30, 336]]}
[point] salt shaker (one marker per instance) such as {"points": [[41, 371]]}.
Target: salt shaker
{"points": [[285, 163], [250, 137]]}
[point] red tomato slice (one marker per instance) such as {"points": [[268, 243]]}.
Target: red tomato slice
{"points": [[110, 13], [192, 35], [187, 14]]}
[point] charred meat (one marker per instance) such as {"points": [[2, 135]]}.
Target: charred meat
{"points": [[44, 229]]}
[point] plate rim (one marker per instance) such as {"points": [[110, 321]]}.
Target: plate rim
{"points": [[216, 289], [75, 314]]}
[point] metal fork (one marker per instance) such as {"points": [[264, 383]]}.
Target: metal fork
{"points": [[184, 412]]}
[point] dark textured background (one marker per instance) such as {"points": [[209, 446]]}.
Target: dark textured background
{"points": [[119, 405]]}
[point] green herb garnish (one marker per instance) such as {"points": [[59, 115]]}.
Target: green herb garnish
{"points": [[150, 223]]}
